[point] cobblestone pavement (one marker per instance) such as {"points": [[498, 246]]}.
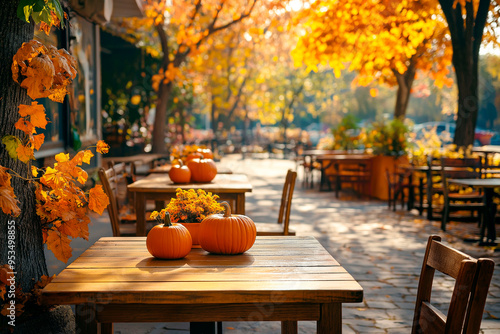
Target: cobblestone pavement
{"points": [[381, 249]]}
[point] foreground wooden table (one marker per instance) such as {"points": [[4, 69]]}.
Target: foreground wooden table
{"points": [[283, 279], [159, 187]]}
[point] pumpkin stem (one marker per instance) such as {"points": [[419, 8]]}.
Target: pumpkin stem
{"points": [[227, 209], [166, 219]]}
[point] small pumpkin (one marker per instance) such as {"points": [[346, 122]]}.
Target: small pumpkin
{"points": [[227, 233], [169, 240], [202, 170], [206, 153], [180, 173]]}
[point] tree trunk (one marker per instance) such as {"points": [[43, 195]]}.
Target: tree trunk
{"points": [[29, 259], [466, 35], [160, 124], [405, 82]]}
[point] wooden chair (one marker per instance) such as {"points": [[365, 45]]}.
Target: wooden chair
{"points": [[454, 198], [397, 184], [111, 179], [472, 280], [282, 227]]}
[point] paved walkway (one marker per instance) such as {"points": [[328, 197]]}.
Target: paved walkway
{"points": [[382, 249]]}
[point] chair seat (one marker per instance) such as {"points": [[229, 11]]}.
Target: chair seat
{"points": [[271, 229]]}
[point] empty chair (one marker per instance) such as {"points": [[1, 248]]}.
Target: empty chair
{"points": [[110, 179], [282, 226], [397, 184], [472, 280], [454, 198]]}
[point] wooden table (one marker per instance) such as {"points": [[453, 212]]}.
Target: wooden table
{"points": [[159, 187], [335, 161], [285, 279], [166, 168], [489, 186], [146, 158]]}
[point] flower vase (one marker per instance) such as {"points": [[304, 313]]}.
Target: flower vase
{"points": [[193, 229]]}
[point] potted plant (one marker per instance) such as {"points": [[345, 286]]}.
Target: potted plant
{"points": [[388, 141], [189, 208]]}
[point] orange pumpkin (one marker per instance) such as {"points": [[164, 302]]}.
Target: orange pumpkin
{"points": [[202, 170], [206, 152], [194, 155], [180, 173], [226, 233], [169, 240]]}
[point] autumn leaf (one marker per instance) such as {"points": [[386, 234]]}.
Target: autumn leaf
{"points": [[98, 200], [11, 144], [102, 147], [25, 126], [58, 243], [36, 112], [8, 201], [45, 72], [25, 153], [39, 77], [38, 141], [34, 171]]}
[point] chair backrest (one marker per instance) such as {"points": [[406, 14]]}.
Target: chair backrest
{"points": [[472, 279], [286, 200], [110, 179], [468, 168]]}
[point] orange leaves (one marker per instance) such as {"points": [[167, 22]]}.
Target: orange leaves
{"points": [[63, 206], [36, 114], [44, 72], [32, 117], [8, 201], [102, 147], [58, 243], [98, 200]]}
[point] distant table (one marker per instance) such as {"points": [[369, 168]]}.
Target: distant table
{"points": [[159, 187], [489, 186], [166, 168], [338, 160], [146, 158], [285, 279]]}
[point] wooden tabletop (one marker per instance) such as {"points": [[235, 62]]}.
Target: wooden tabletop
{"points": [[120, 270], [222, 183], [487, 149], [482, 183], [345, 157]]}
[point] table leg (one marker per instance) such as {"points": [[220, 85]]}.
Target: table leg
{"points": [[330, 321], [489, 220], [140, 211], [107, 328], [86, 320], [289, 327], [202, 327], [240, 203]]}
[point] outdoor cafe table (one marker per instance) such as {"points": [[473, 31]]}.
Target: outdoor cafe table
{"points": [[489, 186], [336, 161], [159, 187], [285, 279]]}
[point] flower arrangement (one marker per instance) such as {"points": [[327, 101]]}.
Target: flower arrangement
{"points": [[189, 206], [388, 138], [346, 133], [181, 152]]}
